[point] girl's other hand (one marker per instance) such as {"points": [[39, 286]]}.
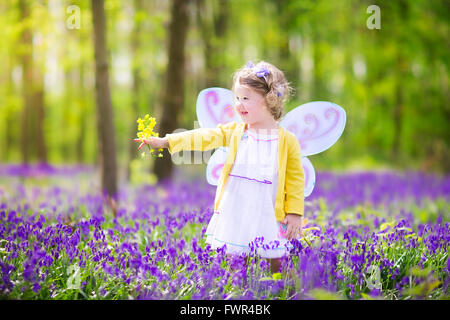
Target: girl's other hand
{"points": [[294, 226], [153, 142]]}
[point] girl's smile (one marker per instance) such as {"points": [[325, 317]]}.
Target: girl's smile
{"points": [[251, 106]]}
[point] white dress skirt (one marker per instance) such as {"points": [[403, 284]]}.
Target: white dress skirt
{"points": [[245, 220]]}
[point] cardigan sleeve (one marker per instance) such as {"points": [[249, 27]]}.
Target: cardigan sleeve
{"points": [[201, 139], [295, 178]]}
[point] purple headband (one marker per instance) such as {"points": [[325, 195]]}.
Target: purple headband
{"points": [[262, 72]]}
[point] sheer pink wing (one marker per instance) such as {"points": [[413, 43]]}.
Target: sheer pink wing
{"points": [[310, 176], [215, 106], [317, 125], [215, 165]]}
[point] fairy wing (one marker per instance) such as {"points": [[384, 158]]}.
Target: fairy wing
{"points": [[310, 176], [215, 106], [215, 165], [317, 125]]}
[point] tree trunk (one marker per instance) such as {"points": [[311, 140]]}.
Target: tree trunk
{"points": [[10, 116], [32, 137], [40, 115], [398, 107], [26, 56], [39, 98], [213, 35], [82, 132], [401, 66], [173, 100], [319, 86], [135, 50], [289, 64], [105, 123]]}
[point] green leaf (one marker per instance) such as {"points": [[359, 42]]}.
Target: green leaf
{"points": [[277, 276], [387, 224], [416, 271], [321, 294], [365, 296], [432, 285], [266, 279]]}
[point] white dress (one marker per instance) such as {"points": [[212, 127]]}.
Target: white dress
{"points": [[247, 208]]}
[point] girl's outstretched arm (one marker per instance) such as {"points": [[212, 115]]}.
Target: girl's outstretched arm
{"points": [[200, 139], [154, 142]]}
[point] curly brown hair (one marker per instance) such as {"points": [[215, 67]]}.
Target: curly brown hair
{"points": [[269, 81]]}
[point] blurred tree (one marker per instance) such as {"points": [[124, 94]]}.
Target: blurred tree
{"points": [[8, 113], [105, 125], [8, 96], [212, 20], [393, 81], [173, 96], [32, 136], [402, 67], [82, 118], [288, 36], [26, 54], [136, 76]]}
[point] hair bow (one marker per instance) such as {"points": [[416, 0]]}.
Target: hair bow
{"points": [[262, 73]]}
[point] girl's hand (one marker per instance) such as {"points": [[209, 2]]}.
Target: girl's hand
{"points": [[294, 226], [153, 142]]}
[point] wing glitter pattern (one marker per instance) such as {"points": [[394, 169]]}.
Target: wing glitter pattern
{"points": [[317, 125], [215, 106]]}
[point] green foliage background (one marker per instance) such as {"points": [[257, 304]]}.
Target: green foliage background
{"points": [[393, 81]]}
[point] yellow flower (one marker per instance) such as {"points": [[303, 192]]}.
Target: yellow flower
{"points": [[145, 131]]}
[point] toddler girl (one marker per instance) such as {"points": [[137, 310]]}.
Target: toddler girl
{"points": [[260, 193]]}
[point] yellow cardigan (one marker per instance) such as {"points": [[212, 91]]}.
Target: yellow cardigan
{"points": [[291, 181]]}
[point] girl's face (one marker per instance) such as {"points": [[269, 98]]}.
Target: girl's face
{"points": [[251, 107]]}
